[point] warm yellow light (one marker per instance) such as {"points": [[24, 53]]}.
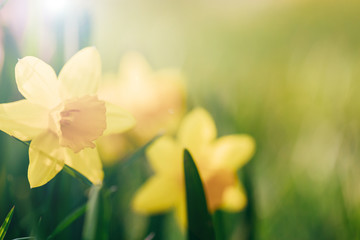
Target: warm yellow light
{"points": [[56, 8]]}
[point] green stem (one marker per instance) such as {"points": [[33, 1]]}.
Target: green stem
{"points": [[219, 225], [250, 215]]}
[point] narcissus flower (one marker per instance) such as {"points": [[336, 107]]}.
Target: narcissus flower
{"points": [[62, 116], [155, 98], [217, 160]]}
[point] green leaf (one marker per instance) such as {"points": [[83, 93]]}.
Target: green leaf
{"points": [[4, 227], [200, 226], [24, 238], [68, 220], [138, 153], [97, 218], [72, 172]]}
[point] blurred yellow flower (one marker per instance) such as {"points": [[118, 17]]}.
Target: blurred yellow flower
{"points": [[156, 99], [217, 160], [63, 116]]}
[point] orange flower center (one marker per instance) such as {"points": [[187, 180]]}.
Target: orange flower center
{"points": [[78, 122], [215, 181], [215, 186]]}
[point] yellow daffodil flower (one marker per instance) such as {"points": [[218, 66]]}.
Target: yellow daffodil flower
{"points": [[217, 160], [62, 116], [156, 99]]}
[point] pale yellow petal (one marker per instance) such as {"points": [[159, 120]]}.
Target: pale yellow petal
{"points": [[157, 195], [113, 148], [87, 162], [232, 152], [23, 119], [234, 198], [134, 68], [165, 156], [197, 130], [81, 74], [46, 159], [158, 106], [180, 211], [109, 89], [37, 81], [118, 120]]}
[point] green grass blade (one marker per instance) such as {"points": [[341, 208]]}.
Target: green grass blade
{"points": [[24, 238], [97, 218], [4, 227], [200, 226], [68, 220]]}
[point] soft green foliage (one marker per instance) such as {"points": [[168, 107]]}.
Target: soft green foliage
{"points": [[72, 172], [200, 226], [68, 220], [97, 215]]}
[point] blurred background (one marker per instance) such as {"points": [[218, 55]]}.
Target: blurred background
{"points": [[285, 72]]}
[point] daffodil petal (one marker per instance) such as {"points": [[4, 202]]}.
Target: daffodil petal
{"points": [[23, 119], [180, 211], [87, 162], [37, 81], [232, 151], [81, 74], [157, 195], [197, 130], [109, 89], [234, 198], [117, 119], [165, 156], [46, 159], [113, 147], [134, 68]]}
